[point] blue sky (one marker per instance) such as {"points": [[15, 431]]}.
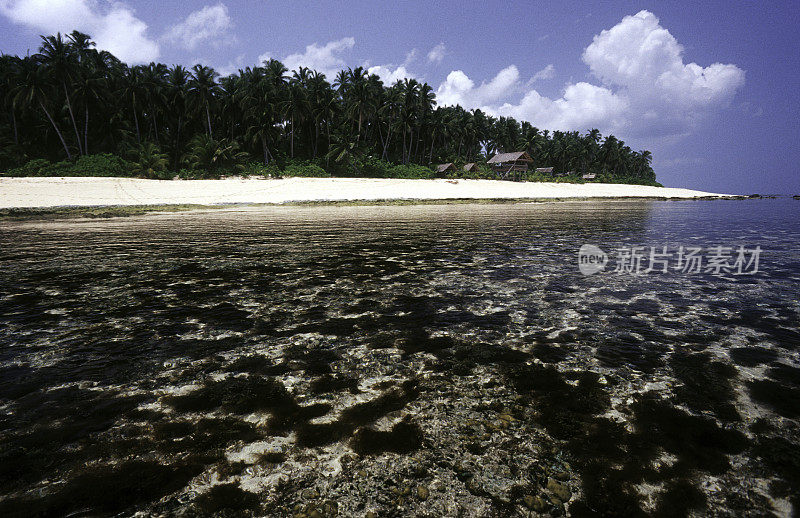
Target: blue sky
{"points": [[711, 88]]}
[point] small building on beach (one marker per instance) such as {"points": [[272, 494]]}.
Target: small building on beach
{"points": [[470, 167], [510, 163], [544, 170], [445, 168]]}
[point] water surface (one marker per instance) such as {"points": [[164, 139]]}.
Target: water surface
{"points": [[438, 360]]}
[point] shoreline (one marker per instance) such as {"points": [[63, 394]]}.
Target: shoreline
{"points": [[122, 211], [73, 193]]}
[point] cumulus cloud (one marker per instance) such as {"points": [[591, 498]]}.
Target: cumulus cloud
{"points": [[582, 106], [437, 53], [646, 60], [325, 59], [389, 75], [113, 26], [645, 86], [458, 88], [207, 24]]}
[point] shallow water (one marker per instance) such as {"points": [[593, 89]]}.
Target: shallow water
{"points": [[291, 360]]}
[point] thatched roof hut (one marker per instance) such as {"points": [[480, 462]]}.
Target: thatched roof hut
{"points": [[470, 167], [505, 163], [445, 168], [544, 170], [505, 158]]}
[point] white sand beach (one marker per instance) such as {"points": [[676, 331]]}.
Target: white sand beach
{"points": [[60, 192]]}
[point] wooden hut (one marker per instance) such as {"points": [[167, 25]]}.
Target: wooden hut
{"points": [[470, 167], [544, 170], [442, 169], [510, 163]]}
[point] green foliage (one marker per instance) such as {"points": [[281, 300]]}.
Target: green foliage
{"points": [[104, 164], [633, 180], [188, 174], [33, 168], [305, 170], [374, 168], [214, 156], [41, 167], [410, 171], [100, 165], [148, 160], [11, 155]]}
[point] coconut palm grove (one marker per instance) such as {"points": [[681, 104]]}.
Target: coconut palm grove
{"points": [[73, 110]]}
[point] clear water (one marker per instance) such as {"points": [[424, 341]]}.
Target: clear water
{"points": [[278, 360]]}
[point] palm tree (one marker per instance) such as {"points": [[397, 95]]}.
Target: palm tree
{"points": [[346, 152], [154, 77], [408, 114], [328, 108], [206, 153], [9, 70], [34, 89], [134, 89], [202, 89], [358, 96], [176, 93], [148, 159], [61, 60], [92, 86], [296, 104]]}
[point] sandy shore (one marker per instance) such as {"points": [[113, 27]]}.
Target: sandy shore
{"points": [[59, 192]]}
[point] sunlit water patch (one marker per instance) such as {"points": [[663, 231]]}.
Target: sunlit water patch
{"points": [[429, 360]]}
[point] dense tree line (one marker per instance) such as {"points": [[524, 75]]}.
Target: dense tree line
{"points": [[71, 100]]}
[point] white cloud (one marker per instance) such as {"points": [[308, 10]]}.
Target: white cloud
{"points": [[391, 73], [548, 72], [208, 23], [437, 53], [458, 88], [113, 26], [642, 57], [582, 106], [232, 66], [264, 57], [646, 88], [390, 76], [326, 59]]}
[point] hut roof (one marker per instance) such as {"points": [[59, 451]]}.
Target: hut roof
{"points": [[469, 167], [445, 167], [510, 157], [544, 169]]}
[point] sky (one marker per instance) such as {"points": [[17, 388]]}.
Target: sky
{"points": [[710, 88]]}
